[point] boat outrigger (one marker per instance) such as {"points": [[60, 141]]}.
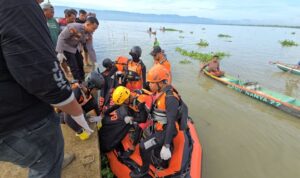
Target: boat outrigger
{"points": [[285, 103], [288, 68]]}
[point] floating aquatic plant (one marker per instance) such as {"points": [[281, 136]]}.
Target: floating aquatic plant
{"points": [[185, 61], [288, 43], [202, 43], [204, 57]]}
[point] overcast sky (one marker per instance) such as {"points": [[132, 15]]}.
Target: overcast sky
{"points": [[273, 11]]}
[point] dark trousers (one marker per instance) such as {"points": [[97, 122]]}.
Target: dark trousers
{"points": [[154, 142], [39, 146], [89, 106], [75, 62]]}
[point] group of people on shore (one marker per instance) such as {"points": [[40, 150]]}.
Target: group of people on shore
{"points": [[72, 37]]}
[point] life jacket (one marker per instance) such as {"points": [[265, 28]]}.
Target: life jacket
{"points": [[144, 97], [121, 63], [159, 109], [134, 75], [165, 63]]}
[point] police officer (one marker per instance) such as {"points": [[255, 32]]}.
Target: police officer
{"points": [[68, 41]]}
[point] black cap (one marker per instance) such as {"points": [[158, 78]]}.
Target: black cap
{"points": [[156, 50]]}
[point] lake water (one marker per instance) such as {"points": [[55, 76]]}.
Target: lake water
{"points": [[241, 137]]}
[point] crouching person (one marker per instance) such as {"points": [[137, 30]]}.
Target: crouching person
{"points": [[138, 104], [88, 103]]}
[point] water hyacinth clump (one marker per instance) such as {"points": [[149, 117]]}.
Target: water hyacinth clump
{"points": [[288, 43], [202, 43], [203, 57], [172, 30], [185, 61], [224, 36]]}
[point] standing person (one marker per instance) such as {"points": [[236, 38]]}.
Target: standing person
{"points": [[74, 11], [160, 58], [82, 16], [156, 42], [51, 22], [165, 116], [68, 41], [31, 83], [70, 17], [136, 70]]}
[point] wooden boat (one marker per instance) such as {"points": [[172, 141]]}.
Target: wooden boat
{"points": [[288, 68], [285, 103]]}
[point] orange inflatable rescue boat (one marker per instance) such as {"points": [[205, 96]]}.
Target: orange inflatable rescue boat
{"points": [[185, 162]]}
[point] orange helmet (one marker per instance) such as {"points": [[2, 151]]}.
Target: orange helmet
{"points": [[158, 73], [121, 61]]}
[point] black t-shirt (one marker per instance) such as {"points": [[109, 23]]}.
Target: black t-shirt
{"points": [[30, 76], [79, 21]]}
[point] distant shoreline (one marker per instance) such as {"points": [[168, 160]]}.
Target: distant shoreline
{"points": [[110, 15], [275, 26]]}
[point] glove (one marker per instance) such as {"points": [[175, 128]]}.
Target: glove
{"points": [[165, 153], [82, 122], [61, 57], [95, 119], [128, 120]]}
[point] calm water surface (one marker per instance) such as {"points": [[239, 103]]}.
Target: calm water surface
{"points": [[241, 137]]}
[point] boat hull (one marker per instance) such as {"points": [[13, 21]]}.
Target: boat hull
{"points": [[277, 100]]}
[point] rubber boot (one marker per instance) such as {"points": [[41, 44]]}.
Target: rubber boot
{"points": [[84, 135]]}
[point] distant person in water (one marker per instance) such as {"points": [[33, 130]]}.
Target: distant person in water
{"points": [[213, 67], [298, 66], [156, 42]]}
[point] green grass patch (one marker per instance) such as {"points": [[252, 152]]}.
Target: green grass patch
{"points": [[224, 36], [202, 43], [204, 57], [185, 61], [181, 36], [105, 169], [288, 43]]}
